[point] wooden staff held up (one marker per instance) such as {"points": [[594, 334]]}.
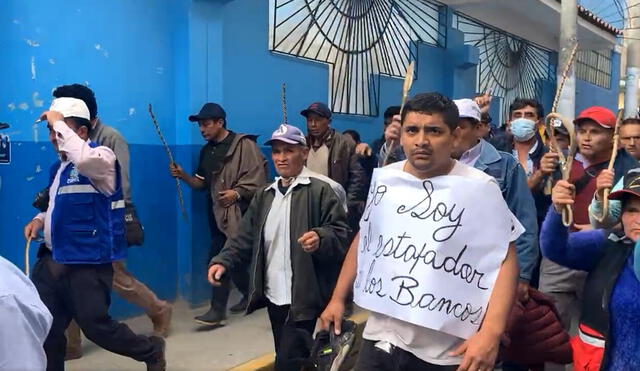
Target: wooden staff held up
{"points": [[284, 104], [549, 129], [171, 161], [26, 257], [408, 81], [616, 138], [565, 162]]}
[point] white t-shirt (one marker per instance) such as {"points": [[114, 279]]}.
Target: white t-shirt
{"points": [[429, 345]]}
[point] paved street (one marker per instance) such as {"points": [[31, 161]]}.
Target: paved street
{"points": [[190, 347]]}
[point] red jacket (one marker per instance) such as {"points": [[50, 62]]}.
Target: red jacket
{"points": [[535, 334]]}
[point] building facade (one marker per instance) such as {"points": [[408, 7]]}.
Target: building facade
{"points": [[178, 54]]}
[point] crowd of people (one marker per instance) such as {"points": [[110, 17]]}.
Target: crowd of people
{"points": [[300, 244]]}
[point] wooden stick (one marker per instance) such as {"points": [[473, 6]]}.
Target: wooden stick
{"points": [[566, 162], [26, 257], [284, 103], [171, 161], [408, 81], [612, 160], [565, 74], [549, 129]]}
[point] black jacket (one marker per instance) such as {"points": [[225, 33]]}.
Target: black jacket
{"points": [[598, 289], [344, 166], [314, 207]]}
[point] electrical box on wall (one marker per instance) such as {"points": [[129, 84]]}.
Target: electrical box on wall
{"points": [[5, 150]]}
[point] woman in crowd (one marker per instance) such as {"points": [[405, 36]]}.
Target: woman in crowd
{"points": [[609, 330]]}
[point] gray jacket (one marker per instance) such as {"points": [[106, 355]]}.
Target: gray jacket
{"points": [[107, 136]]}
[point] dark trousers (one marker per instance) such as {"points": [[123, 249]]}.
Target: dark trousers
{"points": [[292, 339], [372, 358], [240, 277], [83, 292], [514, 367]]}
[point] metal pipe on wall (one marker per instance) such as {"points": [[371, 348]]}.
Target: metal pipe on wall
{"points": [[568, 38], [632, 33]]}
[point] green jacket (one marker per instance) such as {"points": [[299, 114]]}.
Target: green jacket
{"points": [[314, 207]]}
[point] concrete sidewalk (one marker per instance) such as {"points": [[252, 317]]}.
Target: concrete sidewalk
{"points": [[190, 347]]}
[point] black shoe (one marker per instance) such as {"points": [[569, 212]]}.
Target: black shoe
{"points": [[158, 363], [240, 307], [212, 318]]}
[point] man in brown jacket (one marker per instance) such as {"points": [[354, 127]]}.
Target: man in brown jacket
{"points": [[232, 168], [334, 155]]}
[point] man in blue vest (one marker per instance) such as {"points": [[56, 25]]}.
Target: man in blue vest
{"points": [[84, 233]]}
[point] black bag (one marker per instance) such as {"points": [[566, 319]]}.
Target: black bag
{"points": [[329, 351], [134, 231], [41, 201]]}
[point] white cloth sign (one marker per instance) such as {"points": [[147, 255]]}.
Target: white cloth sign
{"points": [[430, 250]]}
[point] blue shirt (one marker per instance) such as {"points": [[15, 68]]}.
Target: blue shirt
{"points": [[472, 155], [529, 169], [513, 184], [24, 321]]}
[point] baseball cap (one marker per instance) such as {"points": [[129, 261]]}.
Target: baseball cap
{"points": [[561, 130], [467, 108], [603, 116], [70, 107], [209, 111], [288, 134], [317, 108], [631, 185]]}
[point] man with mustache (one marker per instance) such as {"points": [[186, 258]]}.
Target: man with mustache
{"points": [[232, 168], [294, 234], [427, 138]]}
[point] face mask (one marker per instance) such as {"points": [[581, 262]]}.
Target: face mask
{"points": [[523, 129]]}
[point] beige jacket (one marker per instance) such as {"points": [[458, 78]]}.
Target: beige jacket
{"points": [[244, 170]]}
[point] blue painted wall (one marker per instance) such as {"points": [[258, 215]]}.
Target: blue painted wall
{"points": [[122, 50], [588, 94], [175, 54]]}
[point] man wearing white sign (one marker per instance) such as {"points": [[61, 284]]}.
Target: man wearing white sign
{"points": [[433, 261]]}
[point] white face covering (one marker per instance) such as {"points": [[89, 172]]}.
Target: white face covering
{"points": [[523, 129]]}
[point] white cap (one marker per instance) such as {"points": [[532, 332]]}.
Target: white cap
{"points": [[70, 107], [468, 108]]}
